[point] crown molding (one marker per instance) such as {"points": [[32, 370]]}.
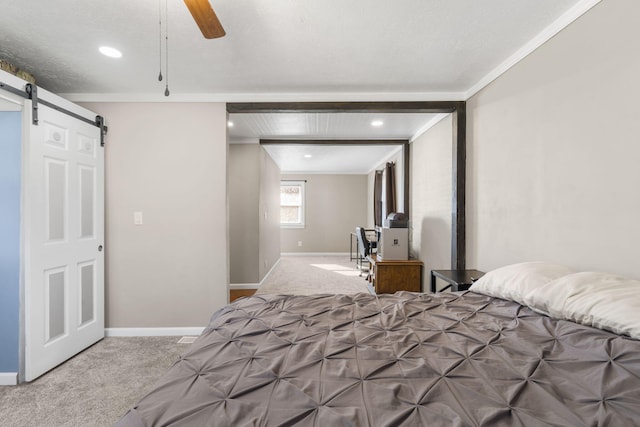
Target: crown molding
{"points": [[266, 97]]}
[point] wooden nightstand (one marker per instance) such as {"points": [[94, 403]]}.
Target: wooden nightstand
{"points": [[388, 277], [458, 280]]}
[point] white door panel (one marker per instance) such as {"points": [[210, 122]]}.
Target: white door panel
{"points": [[64, 218]]}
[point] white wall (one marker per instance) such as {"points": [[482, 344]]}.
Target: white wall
{"points": [[431, 197], [552, 151], [168, 160]]}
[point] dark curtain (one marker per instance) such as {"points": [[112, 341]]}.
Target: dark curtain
{"points": [[390, 188], [384, 179], [377, 199]]}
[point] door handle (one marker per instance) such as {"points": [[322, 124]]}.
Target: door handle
{"points": [[99, 248]]}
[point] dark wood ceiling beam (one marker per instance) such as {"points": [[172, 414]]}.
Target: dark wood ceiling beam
{"points": [[336, 142], [433, 107]]}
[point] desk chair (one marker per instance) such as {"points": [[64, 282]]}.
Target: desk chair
{"points": [[365, 247]]}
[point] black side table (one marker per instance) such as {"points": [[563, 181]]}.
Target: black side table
{"points": [[458, 280]]}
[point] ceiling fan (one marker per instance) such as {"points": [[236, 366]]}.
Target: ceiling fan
{"points": [[207, 21], [206, 18]]}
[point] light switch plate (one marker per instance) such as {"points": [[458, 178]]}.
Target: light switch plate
{"points": [[137, 218]]}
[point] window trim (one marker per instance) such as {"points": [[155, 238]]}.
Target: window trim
{"points": [[302, 185]]}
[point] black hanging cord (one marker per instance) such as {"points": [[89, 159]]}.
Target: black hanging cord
{"points": [[160, 38], [166, 45]]}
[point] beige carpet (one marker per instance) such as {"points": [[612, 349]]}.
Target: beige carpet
{"points": [[302, 275], [93, 389]]}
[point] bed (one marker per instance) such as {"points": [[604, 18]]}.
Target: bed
{"points": [[446, 359]]}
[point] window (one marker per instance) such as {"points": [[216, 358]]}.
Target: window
{"points": [[292, 204]]}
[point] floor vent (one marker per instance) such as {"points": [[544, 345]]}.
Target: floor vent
{"points": [[187, 340]]}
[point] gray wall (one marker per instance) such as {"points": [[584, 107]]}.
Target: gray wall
{"points": [[10, 195], [269, 213], [552, 175], [254, 208], [431, 196], [553, 153], [244, 196], [335, 206], [430, 185], [168, 160]]}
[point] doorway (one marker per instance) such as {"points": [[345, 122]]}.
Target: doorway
{"points": [[457, 109]]}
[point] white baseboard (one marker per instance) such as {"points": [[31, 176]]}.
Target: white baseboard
{"points": [[153, 332], [253, 285], [315, 254], [270, 271], [244, 285], [8, 378]]}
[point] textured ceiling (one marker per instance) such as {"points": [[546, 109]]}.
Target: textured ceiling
{"points": [[272, 47], [295, 50]]}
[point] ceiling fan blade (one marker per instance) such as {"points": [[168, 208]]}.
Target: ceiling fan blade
{"points": [[206, 18]]}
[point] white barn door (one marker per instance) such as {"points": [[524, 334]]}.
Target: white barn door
{"points": [[64, 234]]}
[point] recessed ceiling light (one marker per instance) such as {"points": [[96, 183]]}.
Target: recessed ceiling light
{"points": [[110, 52], [308, 156], [377, 123], [230, 124]]}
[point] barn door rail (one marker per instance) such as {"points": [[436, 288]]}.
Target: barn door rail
{"points": [[31, 92]]}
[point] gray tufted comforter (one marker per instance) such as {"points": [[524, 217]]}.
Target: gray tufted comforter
{"points": [[448, 359]]}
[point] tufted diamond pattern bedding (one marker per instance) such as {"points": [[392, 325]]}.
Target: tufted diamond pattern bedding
{"points": [[449, 359]]}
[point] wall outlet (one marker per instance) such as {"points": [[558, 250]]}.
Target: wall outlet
{"points": [[137, 218], [299, 243]]}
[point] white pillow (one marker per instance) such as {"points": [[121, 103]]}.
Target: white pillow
{"points": [[601, 300], [514, 282]]}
